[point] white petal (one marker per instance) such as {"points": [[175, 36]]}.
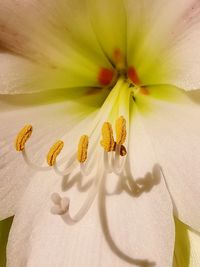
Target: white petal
{"points": [[108, 19], [50, 122], [174, 131], [20, 75], [119, 230], [57, 35], [164, 40]]}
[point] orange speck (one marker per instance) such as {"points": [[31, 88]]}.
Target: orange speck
{"points": [[133, 76], [118, 55], [119, 59], [144, 91], [105, 76]]}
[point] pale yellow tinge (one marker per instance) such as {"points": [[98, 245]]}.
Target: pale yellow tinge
{"points": [[107, 142], [54, 152], [82, 148], [120, 130], [22, 137]]}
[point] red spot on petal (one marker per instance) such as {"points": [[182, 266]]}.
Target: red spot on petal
{"points": [[105, 76], [133, 76]]}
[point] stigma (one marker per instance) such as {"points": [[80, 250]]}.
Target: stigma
{"points": [[111, 158]]}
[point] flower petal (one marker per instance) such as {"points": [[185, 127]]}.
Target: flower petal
{"points": [[164, 40], [108, 19], [4, 231], [50, 122], [20, 75], [182, 245], [56, 35], [187, 246], [119, 229], [174, 131], [194, 238]]}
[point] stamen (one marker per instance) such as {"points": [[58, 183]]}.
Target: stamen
{"points": [[107, 142], [120, 130], [84, 170], [61, 205], [83, 148], [108, 162], [20, 142], [87, 168], [118, 165], [71, 165], [123, 151], [22, 137], [54, 152], [33, 165]]}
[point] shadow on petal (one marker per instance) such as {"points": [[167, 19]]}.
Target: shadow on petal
{"points": [[194, 95], [106, 231], [78, 180], [135, 189]]}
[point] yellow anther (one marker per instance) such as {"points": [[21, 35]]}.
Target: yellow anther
{"points": [[83, 148], [54, 152], [120, 130], [22, 137], [107, 142]]}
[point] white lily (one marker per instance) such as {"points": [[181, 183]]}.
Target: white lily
{"points": [[96, 62]]}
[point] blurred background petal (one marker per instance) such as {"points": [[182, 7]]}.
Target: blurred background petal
{"points": [[4, 231]]}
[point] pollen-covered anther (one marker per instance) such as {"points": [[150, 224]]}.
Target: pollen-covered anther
{"points": [[54, 152], [83, 148], [120, 130], [22, 137], [107, 141]]}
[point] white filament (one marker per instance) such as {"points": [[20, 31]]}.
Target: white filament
{"points": [[119, 161], [66, 171], [33, 165], [71, 165], [61, 205], [108, 161], [85, 170]]}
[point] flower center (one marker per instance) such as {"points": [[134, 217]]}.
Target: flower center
{"points": [[109, 77], [107, 144]]}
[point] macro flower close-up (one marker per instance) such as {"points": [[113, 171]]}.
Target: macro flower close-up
{"points": [[99, 133]]}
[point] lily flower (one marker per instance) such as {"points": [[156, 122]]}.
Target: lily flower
{"points": [[99, 88]]}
